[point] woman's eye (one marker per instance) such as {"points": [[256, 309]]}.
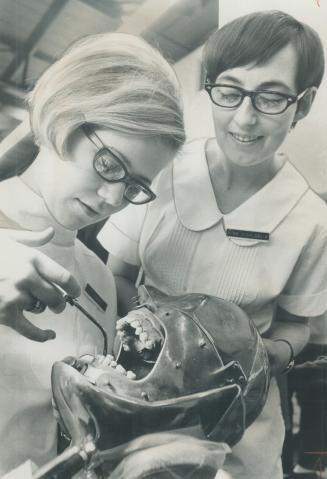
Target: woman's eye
{"points": [[231, 98], [106, 165], [271, 99], [134, 189], [227, 96]]}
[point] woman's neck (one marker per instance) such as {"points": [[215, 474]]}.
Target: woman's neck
{"points": [[234, 184], [235, 176]]}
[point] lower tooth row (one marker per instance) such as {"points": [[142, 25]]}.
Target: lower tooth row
{"points": [[108, 360]]}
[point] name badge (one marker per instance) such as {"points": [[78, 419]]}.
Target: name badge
{"points": [[95, 297], [247, 234]]}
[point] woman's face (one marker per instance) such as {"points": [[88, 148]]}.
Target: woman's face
{"points": [[74, 192], [246, 136]]}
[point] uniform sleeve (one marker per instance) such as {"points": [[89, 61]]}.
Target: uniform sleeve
{"points": [[121, 234], [305, 293]]}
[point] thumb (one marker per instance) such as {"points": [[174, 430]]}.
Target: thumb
{"points": [[32, 238], [24, 327]]}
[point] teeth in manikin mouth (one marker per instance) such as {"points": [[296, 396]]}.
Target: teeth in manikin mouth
{"points": [[101, 360], [120, 369], [107, 360], [137, 332], [144, 336], [135, 324], [131, 375], [149, 344], [121, 323]]}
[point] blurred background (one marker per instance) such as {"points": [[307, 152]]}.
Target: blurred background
{"points": [[33, 33]]}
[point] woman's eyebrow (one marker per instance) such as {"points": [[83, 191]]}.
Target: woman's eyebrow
{"points": [[229, 78], [274, 84], [265, 85]]}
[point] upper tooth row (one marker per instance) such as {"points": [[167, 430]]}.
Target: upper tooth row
{"points": [[139, 331]]}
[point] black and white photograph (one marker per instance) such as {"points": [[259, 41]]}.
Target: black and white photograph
{"points": [[163, 239]]}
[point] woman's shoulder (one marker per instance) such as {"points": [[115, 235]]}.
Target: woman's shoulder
{"points": [[193, 146], [310, 206], [315, 210], [314, 206]]}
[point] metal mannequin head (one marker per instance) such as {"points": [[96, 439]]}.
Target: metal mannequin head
{"points": [[201, 364]]}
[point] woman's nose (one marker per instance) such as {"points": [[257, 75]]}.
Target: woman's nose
{"points": [[245, 113], [112, 193]]}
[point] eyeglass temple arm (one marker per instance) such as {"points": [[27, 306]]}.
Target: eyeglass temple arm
{"points": [[92, 136]]}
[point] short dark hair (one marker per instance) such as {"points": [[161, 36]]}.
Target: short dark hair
{"points": [[256, 37]]}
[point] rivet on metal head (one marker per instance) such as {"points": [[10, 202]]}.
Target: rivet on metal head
{"points": [[178, 365], [202, 343], [144, 396]]}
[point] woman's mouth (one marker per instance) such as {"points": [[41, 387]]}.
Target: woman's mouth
{"points": [[245, 139], [87, 209]]}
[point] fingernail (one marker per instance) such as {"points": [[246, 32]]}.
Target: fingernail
{"points": [[51, 334]]}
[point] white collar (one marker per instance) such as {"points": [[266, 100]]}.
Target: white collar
{"points": [[196, 204], [28, 210], [195, 200]]}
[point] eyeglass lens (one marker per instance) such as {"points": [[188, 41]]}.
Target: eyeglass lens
{"points": [[110, 169], [266, 102]]}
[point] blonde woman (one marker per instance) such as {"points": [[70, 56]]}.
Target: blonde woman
{"points": [[107, 118]]}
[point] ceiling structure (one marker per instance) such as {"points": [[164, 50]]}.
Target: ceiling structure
{"points": [[34, 33]]}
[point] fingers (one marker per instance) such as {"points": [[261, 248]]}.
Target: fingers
{"points": [[37, 308], [11, 315], [52, 272], [27, 280], [23, 326], [32, 238], [49, 269], [47, 293]]}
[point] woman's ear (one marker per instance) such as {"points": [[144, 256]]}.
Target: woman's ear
{"points": [[304, 105]]}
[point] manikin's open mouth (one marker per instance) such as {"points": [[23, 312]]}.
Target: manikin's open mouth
{"points": [[142, 338]]}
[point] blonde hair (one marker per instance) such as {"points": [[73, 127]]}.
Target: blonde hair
{"points": [[115, 81]]}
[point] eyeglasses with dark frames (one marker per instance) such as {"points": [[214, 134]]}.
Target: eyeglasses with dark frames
{"points": [[112, 169], [265, 101]]}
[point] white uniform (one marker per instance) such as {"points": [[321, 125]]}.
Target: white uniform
{"points": [[27, 426], [181, 243]]}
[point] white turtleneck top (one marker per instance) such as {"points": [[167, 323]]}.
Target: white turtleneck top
{"points": [[27, 426]]}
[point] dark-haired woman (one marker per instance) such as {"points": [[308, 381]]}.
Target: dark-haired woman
{"points": [[233, 217]]}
